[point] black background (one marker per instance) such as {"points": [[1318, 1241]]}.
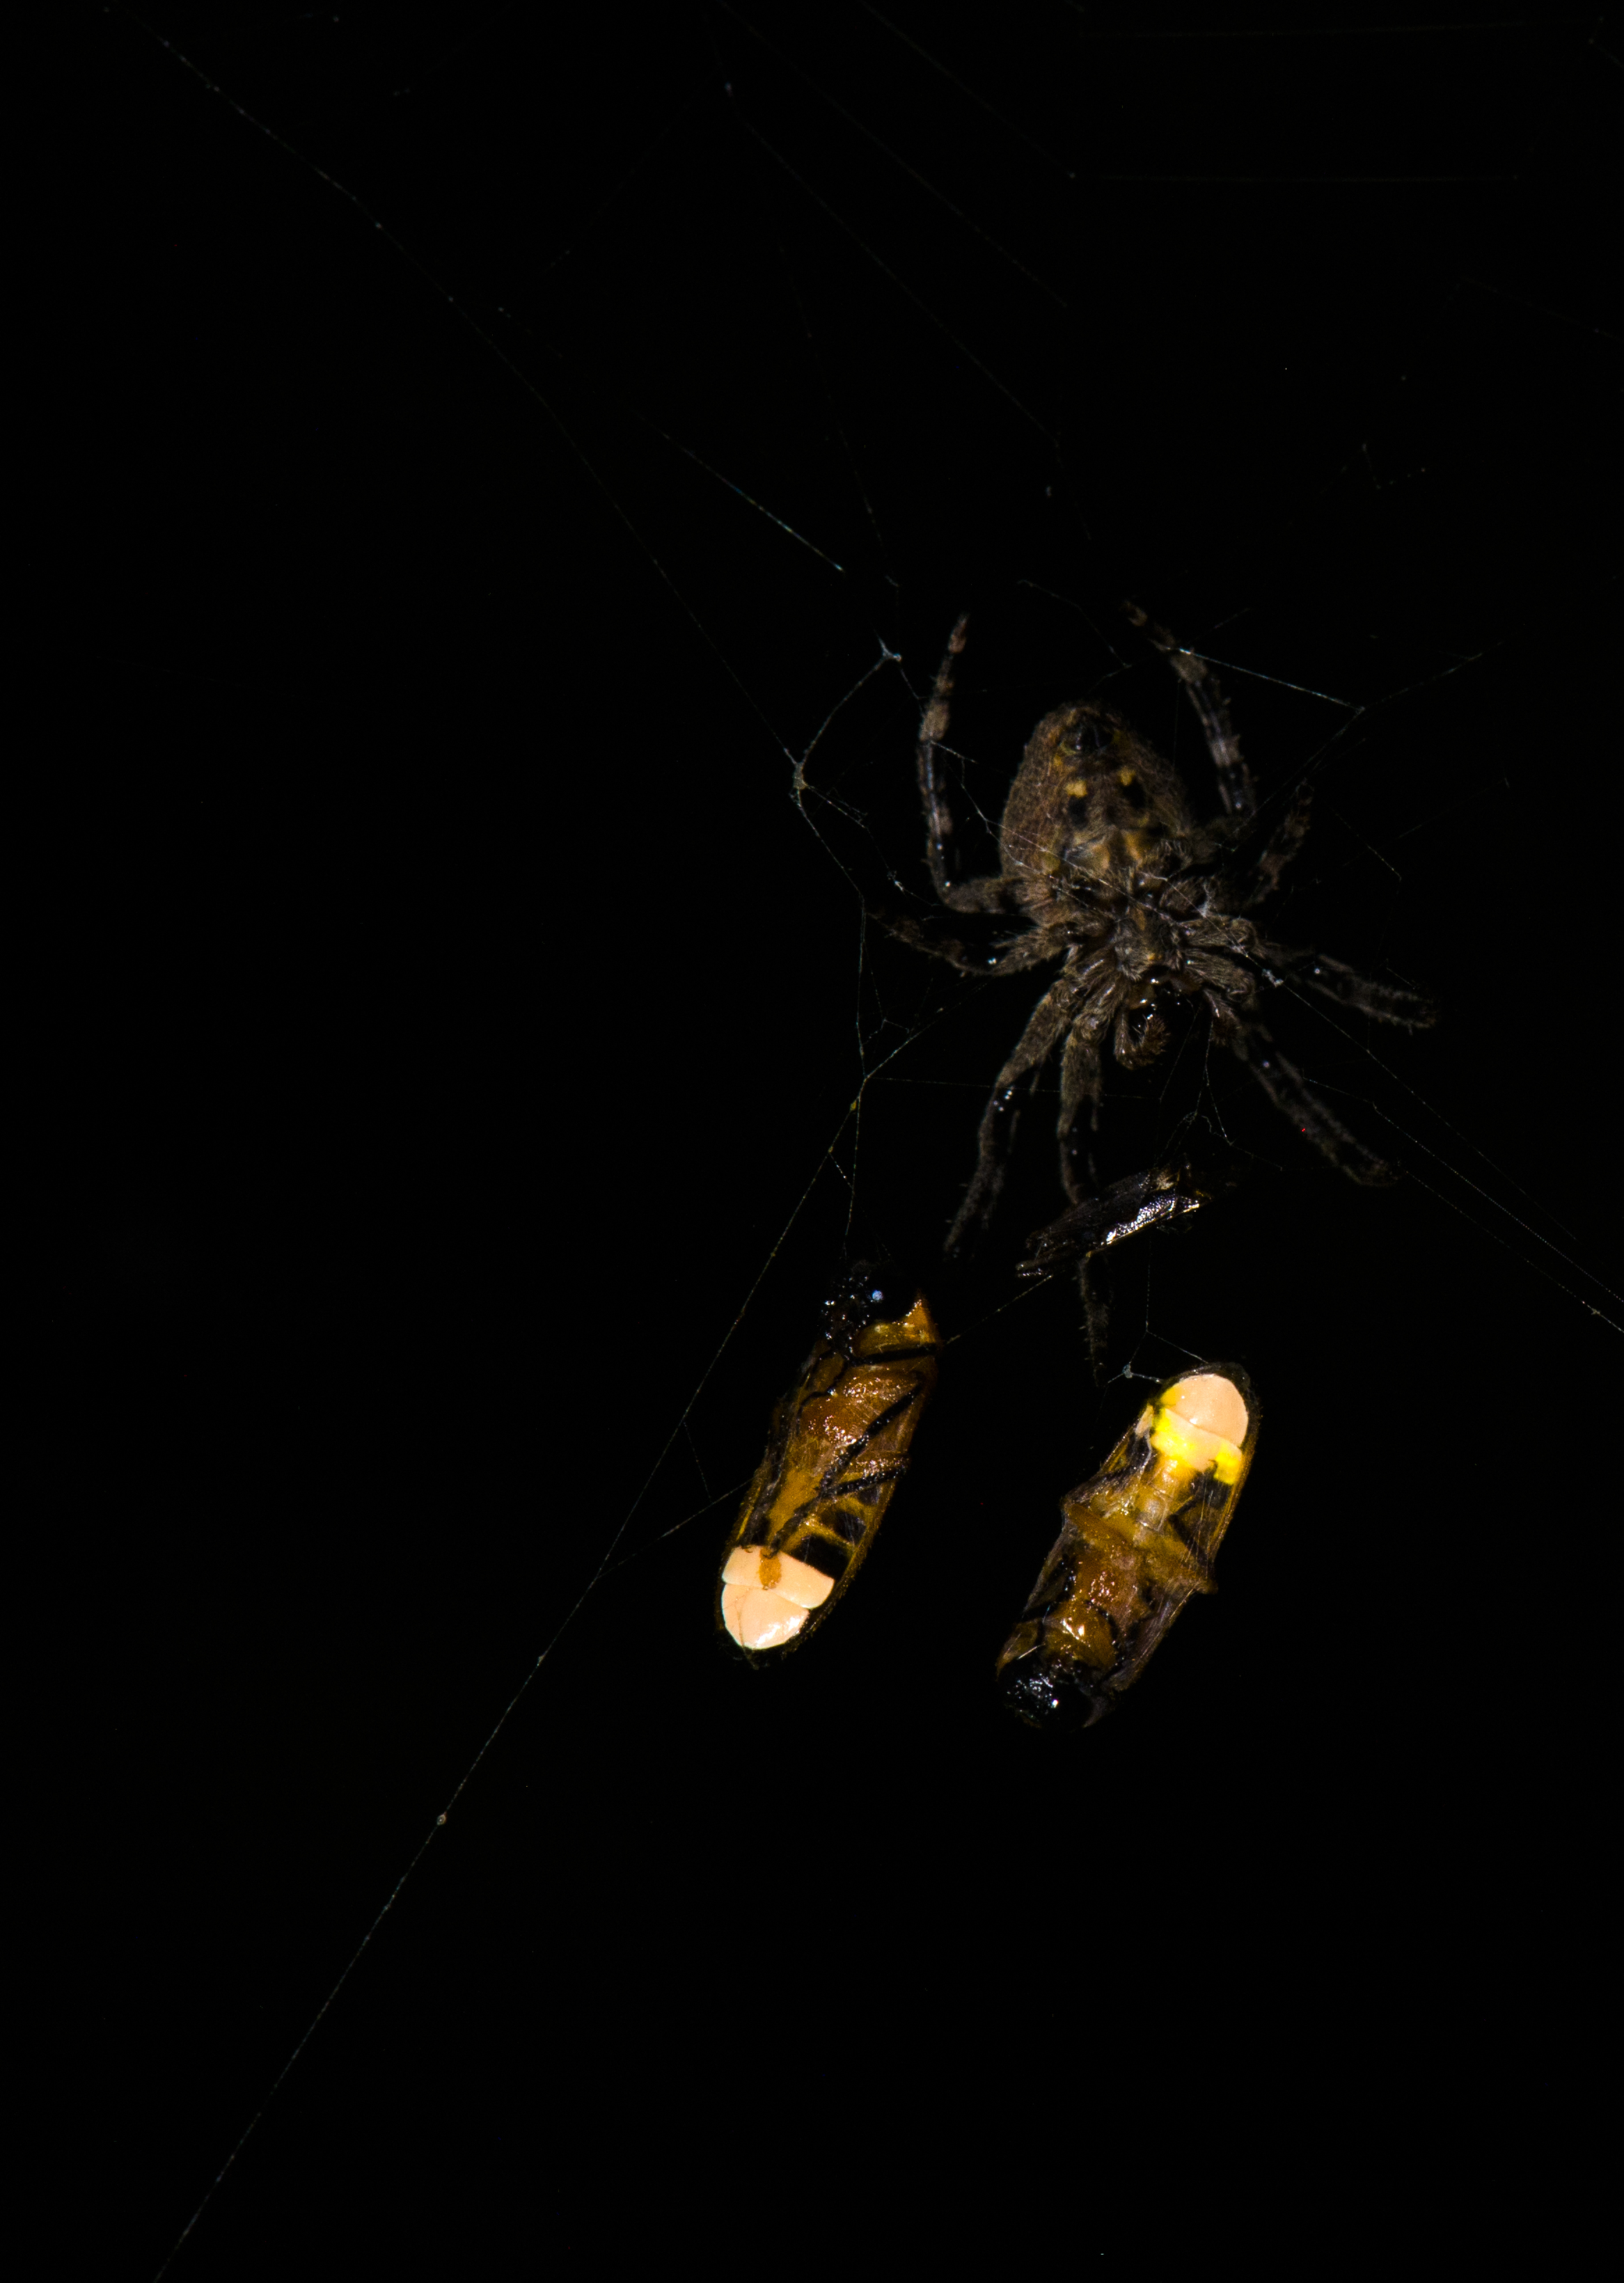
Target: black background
{"points": [[449, 1004]]}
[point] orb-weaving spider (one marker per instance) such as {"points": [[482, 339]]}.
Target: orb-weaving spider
{"points": [[1102, 857]]}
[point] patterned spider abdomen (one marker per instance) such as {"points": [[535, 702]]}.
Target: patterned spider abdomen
{"points": [[1091, 803], [1138, 1541], [838, 1450]]}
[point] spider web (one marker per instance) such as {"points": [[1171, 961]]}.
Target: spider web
{"points": [[535, 488]]}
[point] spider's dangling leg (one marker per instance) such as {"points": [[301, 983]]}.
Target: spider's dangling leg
{"points": [[1048, 1018], [1081, 1084], [1095, 1315], [995, 1138], [1080, 1087], [1080, 1180], [1295, 1099]]}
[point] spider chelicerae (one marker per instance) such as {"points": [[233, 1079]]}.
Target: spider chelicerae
{"points": [[1103, 862]]}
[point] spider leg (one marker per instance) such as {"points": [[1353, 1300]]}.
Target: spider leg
{"points": [[1333, 980], [1048, 1018], [985, 895], [1222, 974], [1234, 785], [1281, 845], [1096, 1317], [1080, 1081], [1010, 958], [1295, 1099]]}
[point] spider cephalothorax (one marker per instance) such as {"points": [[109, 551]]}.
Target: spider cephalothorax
{"points": [[1102, 858]]}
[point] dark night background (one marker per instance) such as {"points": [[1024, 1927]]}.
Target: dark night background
{"points": [[446, 1005]]}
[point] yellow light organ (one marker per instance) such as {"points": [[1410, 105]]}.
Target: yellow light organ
{"points": [[1137, 1542]]}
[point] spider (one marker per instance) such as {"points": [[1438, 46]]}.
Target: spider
{"points": [[1102, 859]]}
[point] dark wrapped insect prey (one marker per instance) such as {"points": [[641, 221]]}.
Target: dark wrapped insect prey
{"points": [[1138, 1540], [1159, 1194]]}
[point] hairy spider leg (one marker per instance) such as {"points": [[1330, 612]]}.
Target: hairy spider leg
{"points": [[1048, 1018], [1296, 1100], [959, 895], [1226, 976], [1334, 979], [1082, 1080], [1279, 850], [1234, 785], [1012, 958]]}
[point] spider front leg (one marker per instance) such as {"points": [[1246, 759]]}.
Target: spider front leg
{"points": [[1200, 687], [1334, 979], [996, 1132], [989, 894], [1080, 1083], [1005, 959], [1279, 850], [1295, 1099]]}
